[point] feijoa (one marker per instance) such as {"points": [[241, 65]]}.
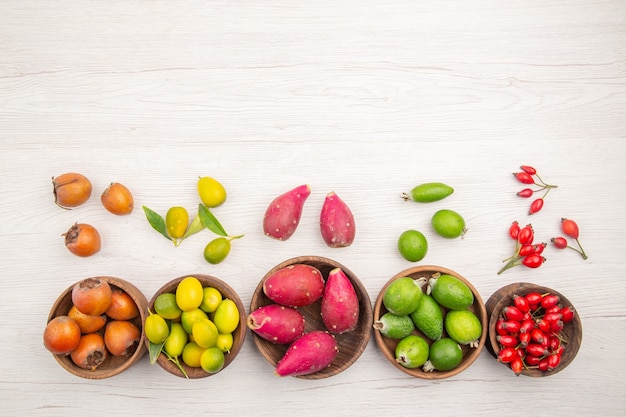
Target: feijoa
{"points": [[412, 245], [412, 351], [450, 292], [402, 296], [464, 327], [393, 326], [445, 354], [428, 318], [448, 223], [429, 192]]}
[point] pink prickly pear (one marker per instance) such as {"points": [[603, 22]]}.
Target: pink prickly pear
{"points": [[283, 214], [295, 285], [276, 323], [337, 222], [340, 304], [310, 353]]}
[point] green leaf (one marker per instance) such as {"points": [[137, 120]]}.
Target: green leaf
{"points": [[156, 221], [195, 227], [155, 351], [210, 221]]}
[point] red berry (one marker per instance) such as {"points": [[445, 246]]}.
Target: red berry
{"points": [[521, 303], [533, 260], [526, 235], [556, 326], [528, 169], [525, 193], [524, 339], [549, 300], [553, 361], [543, 365], [553, 343], [514, 230], [524, 177], [532, 360], [512, 326], [513, 313], [534, 299], [567, 313], [539, 337], [552, 317], [570, 228], [501, 327], [517, 365], [559, 242], [543, 325], [535, 206], [526, 250], [507, 354], [553, 309], [538, 248], [527, 326], [507, 341], [535, 349]]}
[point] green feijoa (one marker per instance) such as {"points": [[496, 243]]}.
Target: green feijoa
{"points": [[450, 292], [428, 318], [412, 351], [430, 191], [445, 354], [412, 245], [393, 326], [464, 327], [402, 296], [448, 223]]}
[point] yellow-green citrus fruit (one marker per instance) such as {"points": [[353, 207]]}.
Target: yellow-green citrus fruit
{"points": [[226, 317], [428, 318], [451, 292], [204, 333], [188, 318], [412, 351], [176, 341], [156, 328], [192, 354], [166, 307], [464, 327], [217, 250], [412, 245], [211, 298], [212, 360], [402, 296], [224, 342], [189, 293], [212, 193], [445, 355], [176, 222], [448, 223]]}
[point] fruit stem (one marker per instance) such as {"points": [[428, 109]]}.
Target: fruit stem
{"points": [[405, 196], [582, 251], [512, 263], [543, 184]]}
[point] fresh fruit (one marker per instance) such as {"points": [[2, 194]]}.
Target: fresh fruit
{"points": [[295, 285], [121, 337], [92, 296], [226, 316], [156, 329], [337, 222], [176, 222], [211, 298], [71, 190], [448, 224], [166, 307], [122, 306], [527, 176], [212, 193], [340, 304], [212, 360], [217, 250], [393, 326], [192, 354], [412, 351], [82, 240], [176, 340], [444, 355], [526, 253], [188, 318], [276, 323], [309, 353], [450, 292], [204, 333], [189, 293], [403, 295], [428, 317], [428, 192], [225, 342], [117, 199], [90, 353], [282, 216], [62, 335], [87, 323], [464, 327], [412, 245], [570, 229]]}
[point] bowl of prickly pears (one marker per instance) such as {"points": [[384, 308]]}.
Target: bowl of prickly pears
{"points": [[195, 326], [310, 317], [94, 328], [430, 322], [533, 330]]}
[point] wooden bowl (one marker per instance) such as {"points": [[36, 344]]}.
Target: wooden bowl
{"points": [[239, 334], [388, 345], [113, 365], [572, 332], [351, 344]]}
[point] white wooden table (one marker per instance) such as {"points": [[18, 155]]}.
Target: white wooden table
{"points": [[366, 99]]}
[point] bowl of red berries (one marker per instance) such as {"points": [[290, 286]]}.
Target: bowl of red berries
{"points": [[533, 330]]}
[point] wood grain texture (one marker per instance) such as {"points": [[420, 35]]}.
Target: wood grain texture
{"points": [[364, 99]]}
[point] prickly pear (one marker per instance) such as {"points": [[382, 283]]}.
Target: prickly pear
{"points": [[309, 353], [337, 222], [283, 214], [276, 323], [340, 304], [295, 285]]}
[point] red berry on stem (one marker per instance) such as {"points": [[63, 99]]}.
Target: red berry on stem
{"points": [[559, 242], [539, 337], [535, 206], [528, 169], [527, 326], [553, 361], [532, 360], [517, 365], [526, 250], [556, 326], [512, 326], [533, 260], [535, 349], [543, 365], [552, 317], [513, 313], [549, 300], [543, 325], [507, 354], [514, 230], [524, 177], [501, 327], [567, 314], [534, 299], [524, 339], [570, 228], [538, 248], [526, 235], [525, 193], [507, 341], [521, 303]]}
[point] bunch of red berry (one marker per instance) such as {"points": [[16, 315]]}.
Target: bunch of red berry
{"points": [[528, 175], [569, 228], [529, 332], [526, 253]]}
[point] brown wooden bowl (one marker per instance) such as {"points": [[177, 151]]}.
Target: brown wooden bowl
{"points": [[388, 345], [113, 365], [351, 344], [239, 334], [572, 332]]}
